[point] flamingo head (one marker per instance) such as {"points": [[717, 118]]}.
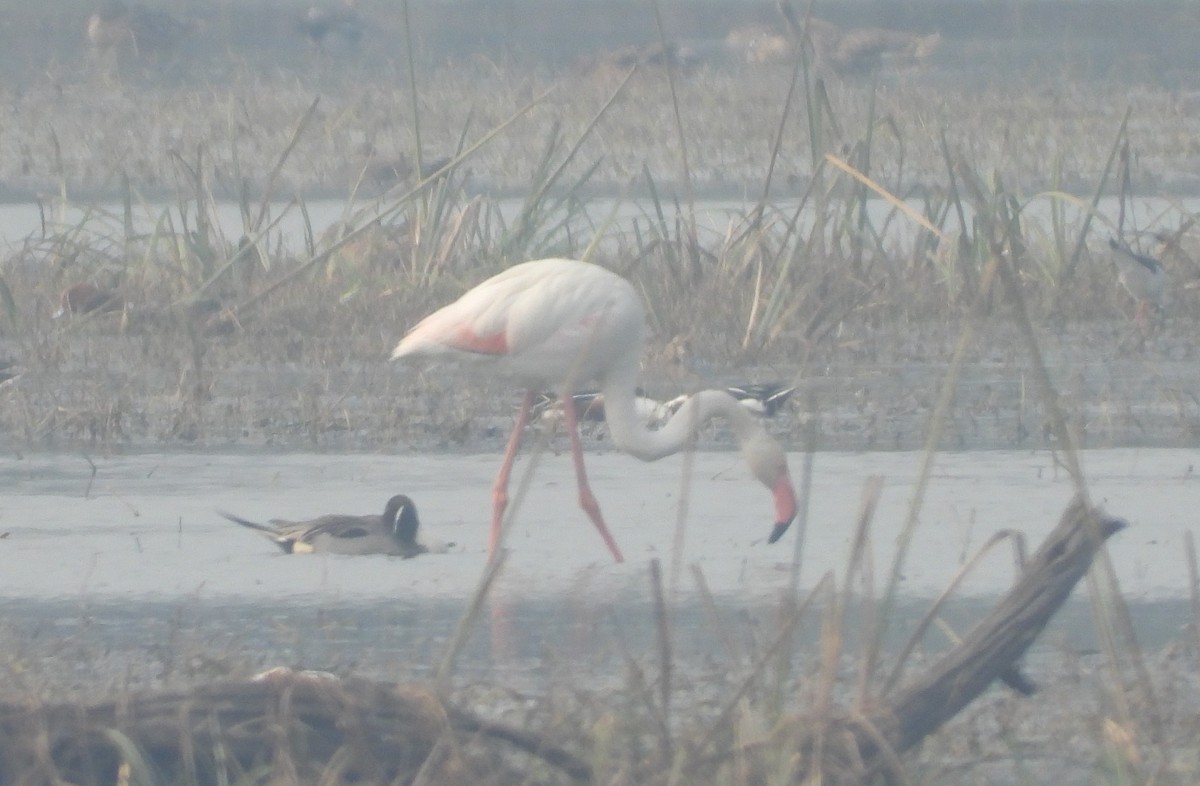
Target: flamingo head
{"points": [[768, 462]]}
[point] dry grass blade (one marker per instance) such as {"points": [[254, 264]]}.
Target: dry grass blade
{"points": [[414, 102], [933, 436], [397, 205], [889, 764], [246, 252], [919, 631], [679, 533], [466, 623], [689, 191], [1193, 587], [777, 143], [530, 743], [828, 745], [752, 319], [1004, 248], [794, 614], [856, 566], [662, 628], [135, 769], [546, 177], [1111, 611], [715, 623], [10, 303], [283, 726], [1068, 271], [273, 178], [785, 301], [1004, 635], [639, 691], [601, 232], [891, 198], [806, 479], [495, 564]]}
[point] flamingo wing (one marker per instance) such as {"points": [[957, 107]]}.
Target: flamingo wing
{"points": [[542, 316]]}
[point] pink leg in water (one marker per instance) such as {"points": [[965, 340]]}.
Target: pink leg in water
{"points": [[500, 487], [587, 500]]}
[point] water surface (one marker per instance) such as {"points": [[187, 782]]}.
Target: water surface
{"points": [[135, 559]]}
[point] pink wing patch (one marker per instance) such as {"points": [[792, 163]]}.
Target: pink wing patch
{"points": [[466, 340]]}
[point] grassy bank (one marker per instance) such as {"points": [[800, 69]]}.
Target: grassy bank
{"points": [[220, 334]]}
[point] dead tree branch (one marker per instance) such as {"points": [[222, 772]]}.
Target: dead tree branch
{"points": [[992, 650]]}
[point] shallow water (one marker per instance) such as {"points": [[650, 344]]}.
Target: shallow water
{"points": [[22, 221], [146, 525], [135, 559]]}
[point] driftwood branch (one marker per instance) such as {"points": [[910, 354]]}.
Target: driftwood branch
{"points": [[991, 651], [305, 727]]}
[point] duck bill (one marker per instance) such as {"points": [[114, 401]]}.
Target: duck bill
{"points": [[785, 506]]}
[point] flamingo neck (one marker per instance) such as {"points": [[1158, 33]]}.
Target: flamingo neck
{"points": [[631, 434]]}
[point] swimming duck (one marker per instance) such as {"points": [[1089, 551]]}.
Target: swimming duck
{"points": [[589, 406], [763, 399], [394, 533]]}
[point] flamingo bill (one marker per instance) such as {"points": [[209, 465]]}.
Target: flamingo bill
{"points": [[785, 506]]}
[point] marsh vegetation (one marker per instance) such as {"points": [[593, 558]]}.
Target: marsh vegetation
{"points": [[923, 252]]}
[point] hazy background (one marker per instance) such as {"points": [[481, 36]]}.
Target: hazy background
{"points": [[1133, 40]]}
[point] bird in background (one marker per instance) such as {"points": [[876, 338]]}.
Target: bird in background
{"points": [[332, 27], [562, 323], [1143, 277], [764, 399], [589, 406], [393, 533], [110, 27], [137, 29], [86, 297]]}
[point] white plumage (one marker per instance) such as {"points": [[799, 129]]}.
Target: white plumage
{"points": [[563, 323]]}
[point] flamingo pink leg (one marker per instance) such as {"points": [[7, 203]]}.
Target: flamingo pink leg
{"points": [[1142, 317], [587, 500], [500, 487]]}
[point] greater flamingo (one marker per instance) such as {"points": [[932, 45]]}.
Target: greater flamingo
{"points": [[564, 322]]}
